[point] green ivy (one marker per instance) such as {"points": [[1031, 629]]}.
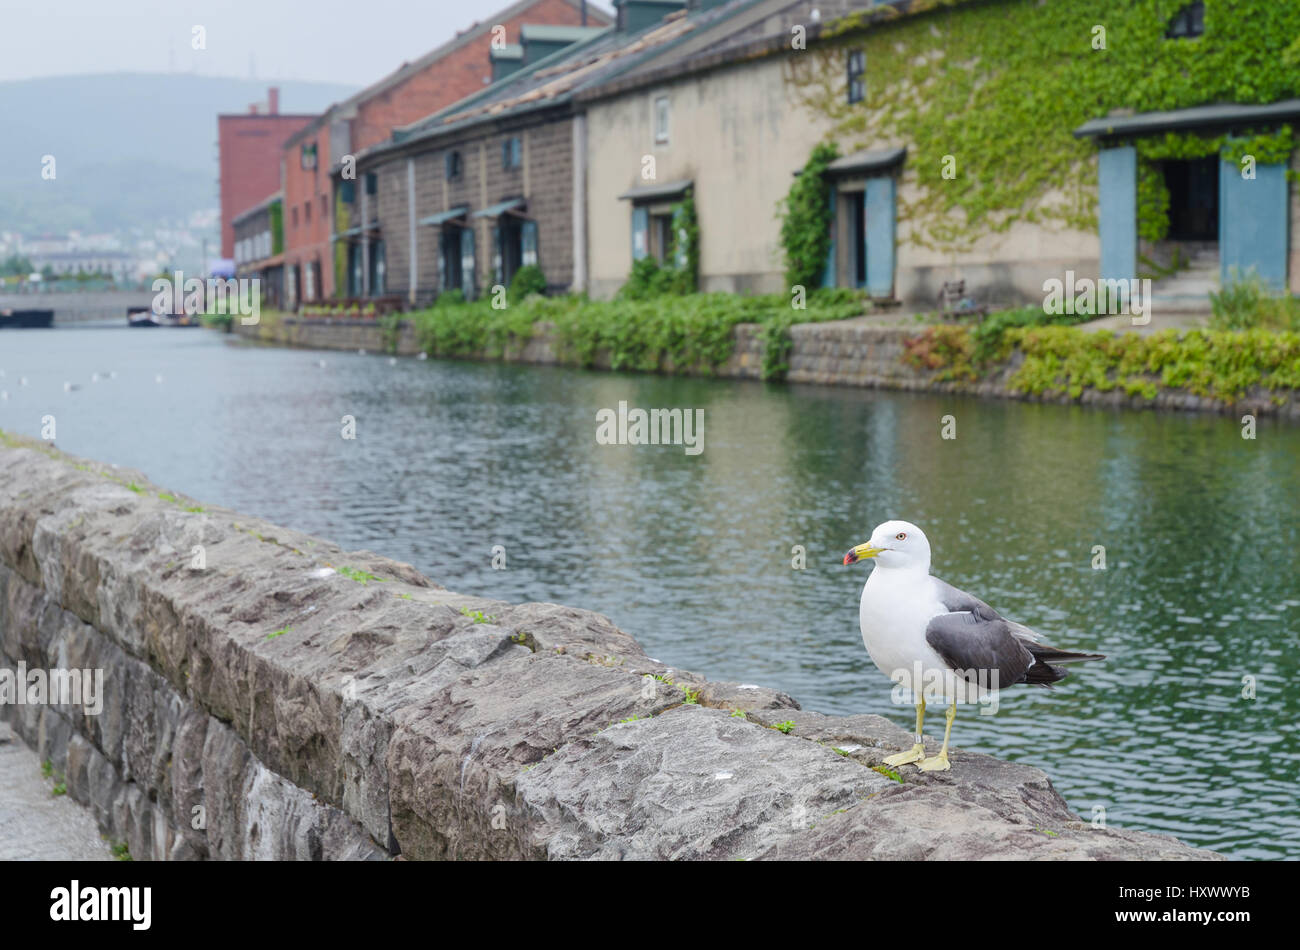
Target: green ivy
{"points": [[806, 217], [276, 214], [1001, 86], [685, 253], [342, 221]]}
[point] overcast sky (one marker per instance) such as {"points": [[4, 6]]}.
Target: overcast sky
{"points": [[345, 41]]}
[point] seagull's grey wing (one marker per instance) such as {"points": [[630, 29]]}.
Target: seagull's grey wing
{"points": [[980, 647], [955, 599], [974, 636]]}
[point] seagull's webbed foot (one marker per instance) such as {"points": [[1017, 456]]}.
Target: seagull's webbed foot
{"points": [[914, 754], [935, 763]]}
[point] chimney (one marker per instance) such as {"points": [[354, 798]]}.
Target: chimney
{"points": [[273, 100]]}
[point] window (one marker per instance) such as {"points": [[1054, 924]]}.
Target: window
{"points": [[378, 269], [306, 211], [451, 165], [661, 119], [347, 191], [450, 271], [372, 183], [1188, 23], [512, 153], [308, 156], [324, 206], [661, 236], [293, 217], [857, 75]]}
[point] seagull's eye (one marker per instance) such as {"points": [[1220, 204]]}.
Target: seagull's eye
{"points": [[901, 536]]}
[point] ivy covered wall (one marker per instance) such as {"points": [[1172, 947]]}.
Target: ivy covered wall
{"points": [[986, 95]]}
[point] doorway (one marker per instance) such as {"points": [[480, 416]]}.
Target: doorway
{"points": [[858, 212], [1193, 199]]}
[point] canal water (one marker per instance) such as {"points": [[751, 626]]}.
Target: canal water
{"points": [[1199, 602]]}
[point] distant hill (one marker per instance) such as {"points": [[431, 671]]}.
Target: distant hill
{"points": [[132, 149]]}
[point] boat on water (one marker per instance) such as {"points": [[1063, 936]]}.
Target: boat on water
{"points": [[26, 318], [145, 317]]}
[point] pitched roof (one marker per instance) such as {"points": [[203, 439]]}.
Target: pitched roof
{"points": [[554, 80], [406, 70], [762, 29]]}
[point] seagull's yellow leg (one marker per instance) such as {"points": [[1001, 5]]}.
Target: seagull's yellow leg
{"points": [[939, 763], [917, 752]]}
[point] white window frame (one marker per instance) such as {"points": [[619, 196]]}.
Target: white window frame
{"points": [[661, 137]]}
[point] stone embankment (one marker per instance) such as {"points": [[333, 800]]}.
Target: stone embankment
{"points": [[270, 695], [853, 352]]}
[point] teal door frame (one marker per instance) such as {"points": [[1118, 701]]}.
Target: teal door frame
{"points": [[1253, 223], [880, 230], [1117, 212]]}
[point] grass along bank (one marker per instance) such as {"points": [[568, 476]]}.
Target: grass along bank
{"points": [[1251, 348], [693, 333]]}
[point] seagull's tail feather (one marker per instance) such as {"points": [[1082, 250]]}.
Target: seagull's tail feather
{"points": [[1042, 673], [1046, 654]]}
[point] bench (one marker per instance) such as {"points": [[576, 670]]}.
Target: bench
{"points": [[953, 301]]}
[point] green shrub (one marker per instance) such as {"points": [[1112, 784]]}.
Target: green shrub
{"points": [[1063, 360], [655, 333], [647, 280], [529, 279], [1246, 303]]}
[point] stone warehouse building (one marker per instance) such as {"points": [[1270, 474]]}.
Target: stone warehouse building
{"points": [[304, 167], [733, 114], [464, 198]]}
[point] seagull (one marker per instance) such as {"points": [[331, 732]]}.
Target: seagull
{"points": [[939, 641]]}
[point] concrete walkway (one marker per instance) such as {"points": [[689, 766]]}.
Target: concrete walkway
{"points": [[35, 824]]}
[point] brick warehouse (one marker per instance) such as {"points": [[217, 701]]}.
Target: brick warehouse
{"points": [[464, 198], [453, 71], [250, 146]]}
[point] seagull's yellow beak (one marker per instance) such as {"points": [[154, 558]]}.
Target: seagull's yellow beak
{"points": [[860, 552]]}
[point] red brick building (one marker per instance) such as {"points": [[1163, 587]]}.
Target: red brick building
{"points": [[250, 146], [312, 156]]}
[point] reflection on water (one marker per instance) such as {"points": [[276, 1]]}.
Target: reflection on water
{"points": [[692, 554]]}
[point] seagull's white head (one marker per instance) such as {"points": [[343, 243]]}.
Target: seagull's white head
{"points": [[894, 545]]}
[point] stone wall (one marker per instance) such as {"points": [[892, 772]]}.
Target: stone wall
{"points": [[835, 353], [283, 698]]}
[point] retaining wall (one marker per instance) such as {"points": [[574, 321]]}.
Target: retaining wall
{"points": [[834, 353]]}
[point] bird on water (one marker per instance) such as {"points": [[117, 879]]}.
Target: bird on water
{"points": [[940, 642]]}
